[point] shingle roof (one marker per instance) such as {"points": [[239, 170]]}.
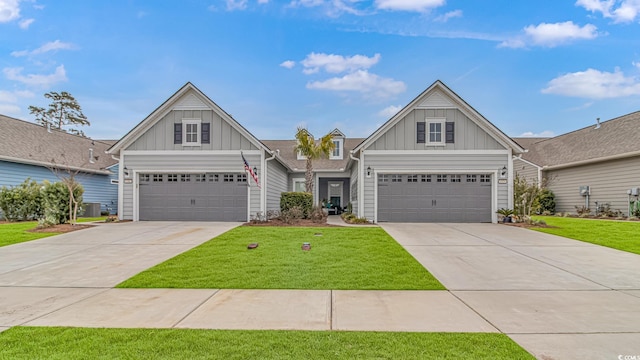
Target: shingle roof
{"points": [[27, 142], [613, 137], [291, 158]]}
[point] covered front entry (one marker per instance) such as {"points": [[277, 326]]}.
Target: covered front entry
{"points": [[193, 197], [434, 198]]}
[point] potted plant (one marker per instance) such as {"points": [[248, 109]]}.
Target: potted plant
{"points": [[506, 215]]}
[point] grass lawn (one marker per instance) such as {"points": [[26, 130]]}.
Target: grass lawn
{"points": [[621, 235], [13, 233], [89, 219], [339, 259], [85, 343]]}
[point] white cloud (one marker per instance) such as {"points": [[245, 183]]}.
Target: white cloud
{"points": [[332, 8], [450, 15], [43, 81], [11, 109], [24, 24], [621, 11], [389, 111], [361, 81], [594, 84], [50, 46], [9, 100], [551, 35], [332, 63], [9, 10], [546, 133], [409, 5], [289, 64], [236, 5]]}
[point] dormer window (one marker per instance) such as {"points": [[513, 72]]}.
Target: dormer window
{"points": [[336, 153]]}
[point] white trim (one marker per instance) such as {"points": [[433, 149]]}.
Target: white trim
{"points": [[362, 179], [262, 177], [494, 184], [52, 165], [510, 189], [297, 180], [438, 152], [187, 121], [190, 152], [121, 188], [443, 132], [341, 183]]}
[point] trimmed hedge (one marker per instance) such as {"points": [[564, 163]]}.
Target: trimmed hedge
{"points": [[302, 200], [30, 201]]}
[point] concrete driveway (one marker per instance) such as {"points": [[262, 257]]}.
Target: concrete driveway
{"points": [[558, 298]]}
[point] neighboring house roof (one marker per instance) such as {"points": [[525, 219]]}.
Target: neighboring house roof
{"points": [[615, 138], [163, 109], [290, 157], [29, 143], [462, 105]]}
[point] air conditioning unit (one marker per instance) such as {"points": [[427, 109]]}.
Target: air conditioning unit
{"points": [[584, 190]]}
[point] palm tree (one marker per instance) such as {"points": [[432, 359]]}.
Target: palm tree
{"points": [[312, 150]]}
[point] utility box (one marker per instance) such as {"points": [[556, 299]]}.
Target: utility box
{"points": [[585, 190], [91, 210], [634, 191]]}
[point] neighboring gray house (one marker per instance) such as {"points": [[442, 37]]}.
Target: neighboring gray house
{"points": [[28, 150], [436, 160], [604, 156]]}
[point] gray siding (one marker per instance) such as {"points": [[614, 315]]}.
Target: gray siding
{"points": [[189, 163], [97, 188], [609, 182], [354, 188], [277, 183], [428, 163], [223, 135], [526, 171], [468, 135]]}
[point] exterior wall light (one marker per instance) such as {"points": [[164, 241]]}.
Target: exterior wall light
{"points": [[503, 172], [368, 171]]}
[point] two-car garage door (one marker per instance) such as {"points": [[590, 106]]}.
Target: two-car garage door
{"points": [[193, 197], [434, 197]]}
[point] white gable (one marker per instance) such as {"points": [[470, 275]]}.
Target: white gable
{"points": [[436, 100], [191, 102]]}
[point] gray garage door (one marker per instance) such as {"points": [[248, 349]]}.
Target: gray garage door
{"points": [[434, 198], [195, 197]]}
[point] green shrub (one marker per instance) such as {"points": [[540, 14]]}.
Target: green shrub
{"points": [[21, 202], [546, 202], [318, 215], [55, 202], [289, 216], [302, 200]]}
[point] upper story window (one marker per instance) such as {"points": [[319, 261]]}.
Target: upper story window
{"points": [[436, 132], [336, 154], [191, 132]]}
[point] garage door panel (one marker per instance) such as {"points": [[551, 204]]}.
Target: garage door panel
{"points": [[196, 197], [434, 198]]}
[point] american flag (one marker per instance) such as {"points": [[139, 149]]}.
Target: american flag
{"points": [[250, 170]]}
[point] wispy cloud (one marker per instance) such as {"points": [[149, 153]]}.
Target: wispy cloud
{"points": [[594, 84], [449, 15], [389, 111], [408, 5], [25, 23], [621, 11], [41, 81], [50, 46], [543, 134], [332, 63], [289, 64], [236, 5], [551, 35], [361, 81], [9, 100], [9, 10]]}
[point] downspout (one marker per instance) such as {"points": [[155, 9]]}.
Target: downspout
{"points": [[360, 180], [120, 186], [264, 181]]}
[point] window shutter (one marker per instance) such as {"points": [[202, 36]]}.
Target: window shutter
{"points": [[450, 132], [206, 136], [177, 133], [420, 132]]}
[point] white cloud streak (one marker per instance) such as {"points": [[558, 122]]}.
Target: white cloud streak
{"points": [[50, 46], [594, 84], [289, 64], [42, 81], [408, 5], [621, 11], [551, 35], [24, 24], [449, 15], [543, 134], [363, 82], [389, 111], [335, 64]]}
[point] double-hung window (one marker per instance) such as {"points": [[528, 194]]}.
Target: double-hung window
{"points": [[336, 154]]}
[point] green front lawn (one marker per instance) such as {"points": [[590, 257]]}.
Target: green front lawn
{"points": [[13, 233], [341, 258], [85, 343], [621, 235]]}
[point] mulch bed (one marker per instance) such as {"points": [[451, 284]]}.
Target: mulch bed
{"points": [[61, 228], [278, 222]]}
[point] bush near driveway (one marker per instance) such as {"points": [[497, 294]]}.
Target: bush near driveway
{"points": [[621, 235], [340, 258]]}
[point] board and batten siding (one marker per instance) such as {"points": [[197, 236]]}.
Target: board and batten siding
{"points": [[526, 170], [277, 183], [193, 162], [97, 187], [223, 135], [468, 135], [433, 163], [608, 182]]}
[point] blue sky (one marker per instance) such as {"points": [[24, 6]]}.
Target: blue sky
{"points": [[531, 67]]}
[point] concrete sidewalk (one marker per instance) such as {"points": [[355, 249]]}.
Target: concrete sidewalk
{"points": [[558, 298]]}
